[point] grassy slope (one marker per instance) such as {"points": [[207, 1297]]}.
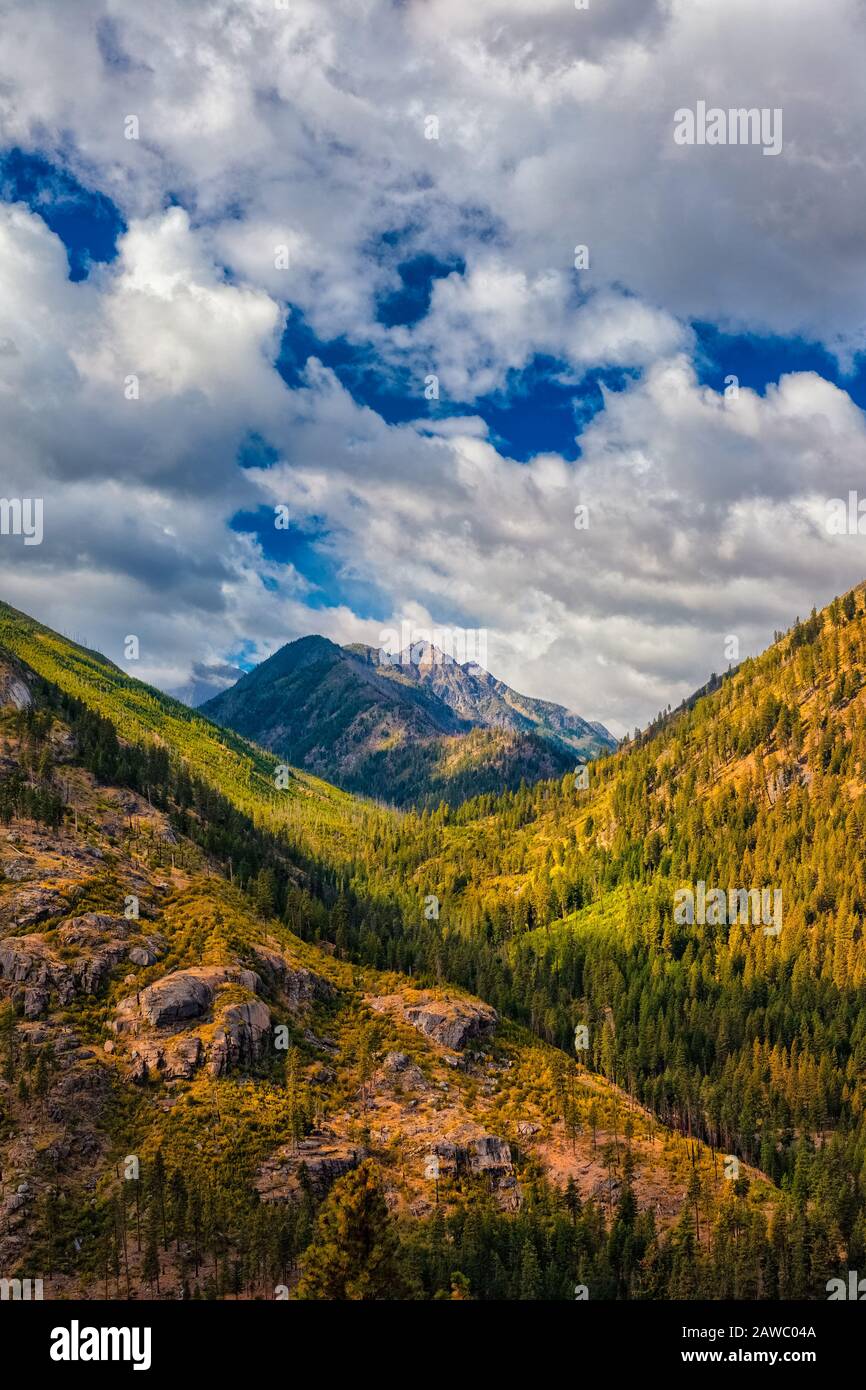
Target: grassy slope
{"points": [[227, 1128], [314, 814]]}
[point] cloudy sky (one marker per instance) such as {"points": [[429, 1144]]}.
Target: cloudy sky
{"points": [[240, 239]]}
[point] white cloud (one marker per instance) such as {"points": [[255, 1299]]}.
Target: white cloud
{"points": [[631, 613], [304, 129], [495, 318], [556, 127]]}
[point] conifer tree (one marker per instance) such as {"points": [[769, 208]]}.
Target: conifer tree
{"points": [[355, 1251]]}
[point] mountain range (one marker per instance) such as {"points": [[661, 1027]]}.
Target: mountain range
{"points": [[413, 729], [650, 1103], [197, 1078]]}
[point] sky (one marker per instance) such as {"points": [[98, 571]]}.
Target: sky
{"points": [[317, 264]]}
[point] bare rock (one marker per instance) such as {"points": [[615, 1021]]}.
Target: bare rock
{"points": [[160, 1024], [35, 1002], [138, 1072], [174, 1059], [14, 689], [488, 1154], [19, 870], [324, 1157], [399, 1073], [470, 1151], [25, 960], [450, 1021], [148, 951], [179, 997], [298, 985], [32, 905], [92, 929], [526, 1129], [240, 1036]]}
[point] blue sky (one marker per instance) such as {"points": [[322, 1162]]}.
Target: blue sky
{"points": [[541, 407], [86, 221], [281, 257]]}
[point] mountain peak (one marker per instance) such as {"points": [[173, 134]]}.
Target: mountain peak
{"points": [[422, 654], [387, 723]]}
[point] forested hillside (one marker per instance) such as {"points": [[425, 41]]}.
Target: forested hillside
{"points": [[196, 1104], [556, 905], [311, 815]]}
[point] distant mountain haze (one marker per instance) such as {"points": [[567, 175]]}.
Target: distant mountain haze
{"points": [[205, 682], [413, 728]]}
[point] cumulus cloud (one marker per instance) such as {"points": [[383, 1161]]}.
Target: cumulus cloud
{"points": [[706, 519], [282, 163], [495, 319]]}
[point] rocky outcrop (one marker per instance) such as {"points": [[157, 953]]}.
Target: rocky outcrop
{"points": [[175, 1059], [449, 1021], [324, 1156], [25, 960], [148, 952], [488, 1154], [179, 997], [159, 1023], [399, 1074], [239, 1038], [92, 929], [31, 905], [101, 941], [20, 870], [297, 985], [478, 1155], [14, 689]]}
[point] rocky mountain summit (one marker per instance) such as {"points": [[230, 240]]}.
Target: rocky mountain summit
{"points": [[412, 728]]}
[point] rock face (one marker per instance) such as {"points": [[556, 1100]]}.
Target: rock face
{"points": [[324, 1156], [101, 941], [239, 1038], [19, 870], [32, 905], [400, 1074], [295, 983], [14, 689], [179, 997], [25, 959], [92, 928], [451, 1022], [488, 1154], [145, 955], [482, 1155], [158, 1024], [175, 1058]]}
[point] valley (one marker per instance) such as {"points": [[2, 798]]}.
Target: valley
{"points": [[285, 1029]]}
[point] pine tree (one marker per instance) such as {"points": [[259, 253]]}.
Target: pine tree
{"points": [[355, 1254], [530, 1273], [157, 1192], [150, 1264]]}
